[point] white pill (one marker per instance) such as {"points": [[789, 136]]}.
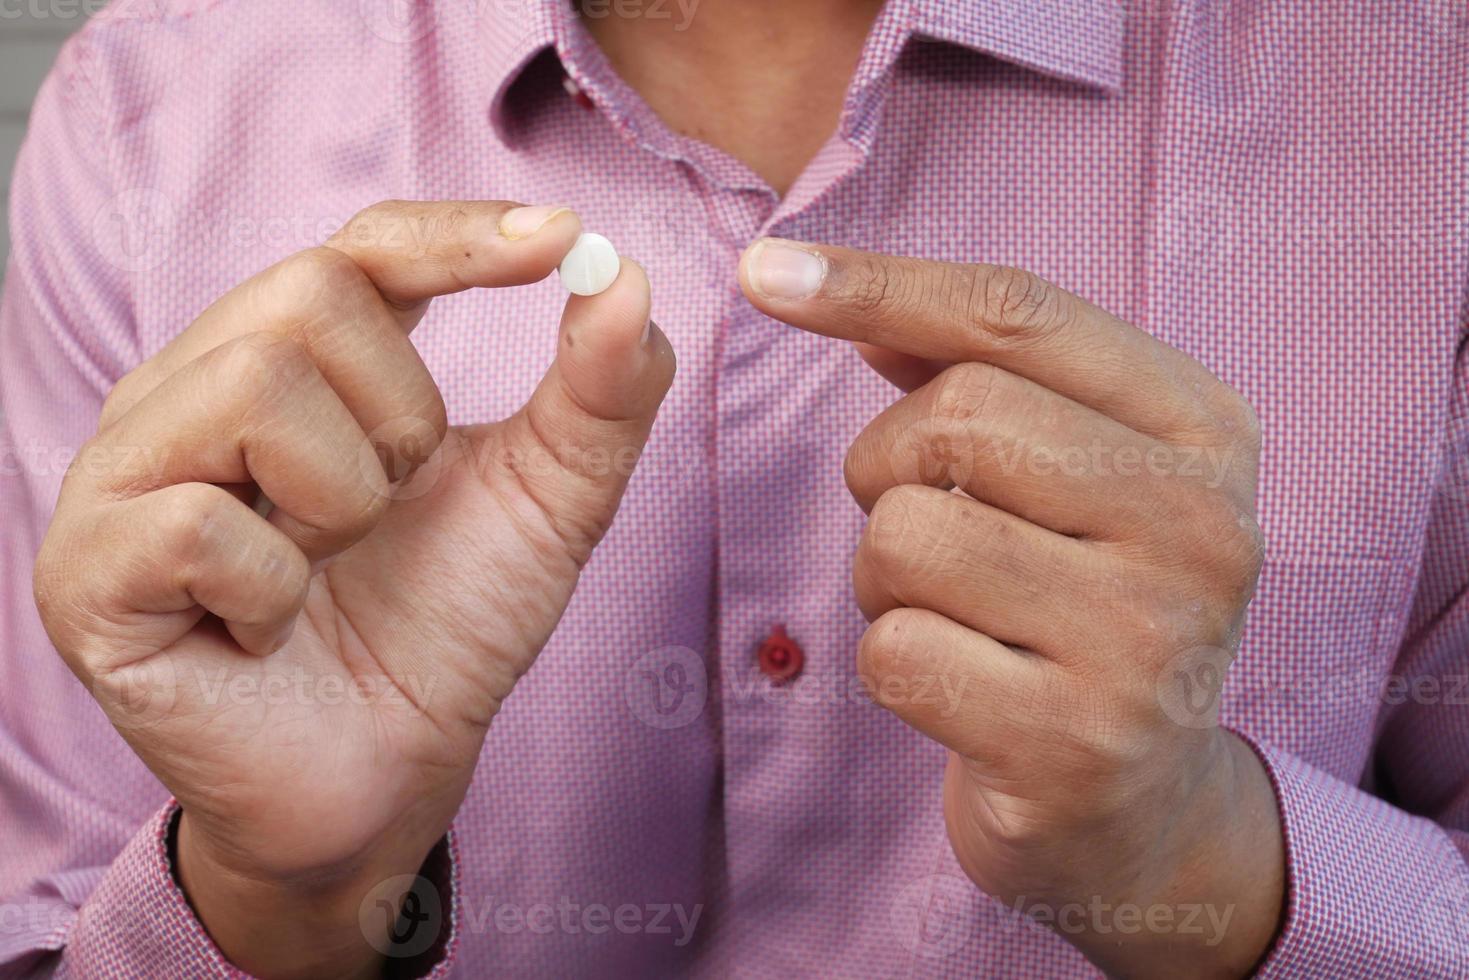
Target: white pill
{"points": [[591, 265]]}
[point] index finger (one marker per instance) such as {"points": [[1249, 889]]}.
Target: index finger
{"points": [[957, 312], [352, 302], [416, 250]]}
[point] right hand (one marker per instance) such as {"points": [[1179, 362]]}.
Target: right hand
{"points": [[429, 579]]}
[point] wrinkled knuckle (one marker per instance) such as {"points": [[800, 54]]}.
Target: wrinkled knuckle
{"points": [[854, 466], [259, 364], [370, 225], [1245, 558], [1010, 303], [189, 520], [887, 646], [1151, 623], [1234, 548], [390, 208], [961, 393], [892, 529], [353, 512], [1243, 422], [373, 505], [82, 463], [320, 277], [448, 225], [1227, 417], [436, 414], [873, 287], [124, 395], [51, 581]]}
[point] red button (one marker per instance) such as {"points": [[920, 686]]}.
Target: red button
{"points": [[574, 90], [780, 656]]}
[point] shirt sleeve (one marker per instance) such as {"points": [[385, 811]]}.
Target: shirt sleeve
{"points": [[87, 885], [1377, 879]]}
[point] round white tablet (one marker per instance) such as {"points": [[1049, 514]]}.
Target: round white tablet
{"points": [[591, 265]]}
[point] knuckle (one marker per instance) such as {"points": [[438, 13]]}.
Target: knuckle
{"points": [[447, 225], [1232, 547], [1244, 422], [436, 414], [1244, 558], [372, 505], [81, 464], [51, 581], [888, 644], [370, 225], [257, 364], [1226, 416], [895, 521], [873, 286], [856, 465], [188, 519], [319, 277], [408, 227], [124, 394], [1009, 303], [347, 517], [961, 392]]}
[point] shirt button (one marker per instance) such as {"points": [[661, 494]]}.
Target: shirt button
{"points": [[780, 656]]}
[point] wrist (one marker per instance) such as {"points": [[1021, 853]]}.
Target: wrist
{"points": [[1216, 888], [303, 926]]}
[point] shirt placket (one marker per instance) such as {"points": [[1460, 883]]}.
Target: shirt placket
{"points": [[777, 591]]}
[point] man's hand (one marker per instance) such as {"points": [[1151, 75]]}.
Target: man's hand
{"points": [[301, 596], [1103, 538]]}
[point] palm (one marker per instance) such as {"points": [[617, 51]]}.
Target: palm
{"points": [[408, 643]]}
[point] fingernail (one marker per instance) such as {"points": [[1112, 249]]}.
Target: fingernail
{"points": [[647, 334], [524, 222], [780, 270]]}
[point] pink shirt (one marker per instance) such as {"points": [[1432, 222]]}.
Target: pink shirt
{"points": [[1279, 189]]}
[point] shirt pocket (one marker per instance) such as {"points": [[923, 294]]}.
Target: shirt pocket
{"points": [[1317, 657]]}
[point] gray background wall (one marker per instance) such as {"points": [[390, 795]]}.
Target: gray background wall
{"points": [[31, 31]]}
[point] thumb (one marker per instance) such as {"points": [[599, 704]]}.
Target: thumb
{"points": [[577, 440]]}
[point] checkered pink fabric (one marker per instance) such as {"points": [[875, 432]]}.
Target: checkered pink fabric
{"points": [[1279, 188]]}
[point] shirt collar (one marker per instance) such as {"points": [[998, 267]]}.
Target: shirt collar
{"points": [[1078, 40], [512, 35]]}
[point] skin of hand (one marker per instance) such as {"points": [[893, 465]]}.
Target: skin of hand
{"points": [[1042, 538], [419, 564]]}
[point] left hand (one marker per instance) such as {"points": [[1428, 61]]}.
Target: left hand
{"points": [[1105, 538]]}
